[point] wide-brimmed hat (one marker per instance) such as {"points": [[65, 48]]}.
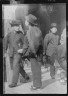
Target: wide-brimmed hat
{"points": [[53, 25], [15, 23], [31, 19]]}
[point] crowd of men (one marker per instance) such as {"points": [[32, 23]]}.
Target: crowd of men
{"points": [[36, 49]]}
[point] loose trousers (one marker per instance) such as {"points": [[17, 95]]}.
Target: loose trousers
{"points": [[36, 72], [17, 68], [11, 62], [51, 60]]}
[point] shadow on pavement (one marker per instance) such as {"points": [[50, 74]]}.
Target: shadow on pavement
{"points": [[44, 72], [45, 83]]}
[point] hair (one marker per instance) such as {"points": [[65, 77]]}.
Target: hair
{"points": [[32, 24]]}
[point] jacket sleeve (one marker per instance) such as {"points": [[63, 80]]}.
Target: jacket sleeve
{"points": [[45, 43], [58, 39], [5, 43], [25, 45]]}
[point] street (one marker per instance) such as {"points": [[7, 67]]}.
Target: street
{"points": [[35, 29], [49, 86]]}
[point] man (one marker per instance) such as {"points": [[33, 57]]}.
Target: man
{"points": [[61, 50], [63, 36], [14, 41], [50, 45], [34, 38]]}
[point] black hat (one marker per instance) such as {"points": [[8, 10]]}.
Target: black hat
{"points": [[31, 19], [53, 25], [15, 23]]}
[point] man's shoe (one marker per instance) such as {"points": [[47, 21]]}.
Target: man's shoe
{"points": [[12, 85], [35, 88], [24, 80], [63, 82]]}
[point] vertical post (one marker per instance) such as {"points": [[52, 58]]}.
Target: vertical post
{"points": [[9, 72]]}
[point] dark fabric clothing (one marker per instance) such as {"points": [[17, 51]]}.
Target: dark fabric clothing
{"points": [[50, 45], [52, 70], [27, 50], [34, 48], [34, 36], [50, 60], [36, 72], [11, 62], [14, 41], [17, 69], [40, 53], [61, 56], [61, 52]]}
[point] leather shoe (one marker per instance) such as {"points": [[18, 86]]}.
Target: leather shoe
{"points": [[12, 85], [35, 88], [24, 80]]}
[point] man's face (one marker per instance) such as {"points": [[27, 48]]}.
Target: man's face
{"points": [[54, 30], [16, 28]]}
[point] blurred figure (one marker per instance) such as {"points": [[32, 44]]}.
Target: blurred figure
{"points": [[14, 41], [61, 53], [50, 45], [63, 37]]}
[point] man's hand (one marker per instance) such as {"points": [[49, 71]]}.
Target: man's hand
{"points": [[20, 51]]}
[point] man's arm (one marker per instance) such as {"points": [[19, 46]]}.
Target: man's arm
{"points": [[45, 44], [25, 46]]}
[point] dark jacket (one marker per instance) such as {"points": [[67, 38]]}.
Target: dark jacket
{"points": [[34, 44], [50, 43], [61, 52], [34, 36], [13, 41]]}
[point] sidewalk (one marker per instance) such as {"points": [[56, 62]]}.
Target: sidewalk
{"points": [[49, 86]]}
